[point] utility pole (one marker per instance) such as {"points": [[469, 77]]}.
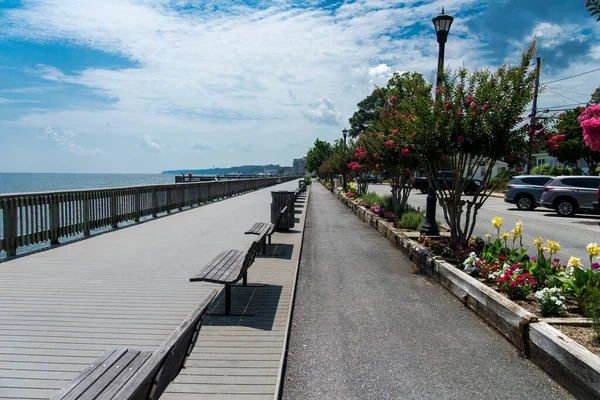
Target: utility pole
{"points": [[532, 122]]}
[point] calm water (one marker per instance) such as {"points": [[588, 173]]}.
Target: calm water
{"points": [[34, 182]]}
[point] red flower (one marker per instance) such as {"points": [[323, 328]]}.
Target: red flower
{"points": [[389, 144], [377, 166], [395, 131], [469, 98], [354, 165], [405, 151], [460, 113], [485, 107], [393, 99], [410, 117], [448, 106], [473, 106], [376, 155], [460, 139]]}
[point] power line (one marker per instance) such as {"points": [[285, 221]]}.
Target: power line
{"points": [[568, 91], [558, 94], [574, 76], [564, 105]]}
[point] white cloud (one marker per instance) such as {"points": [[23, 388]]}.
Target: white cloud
{"points": [[65, 142], [323, 111], [243, 77], [148, 143]]}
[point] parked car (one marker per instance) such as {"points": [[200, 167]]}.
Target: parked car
{"points": [[569, 195], [421, 183], [526, 190]]}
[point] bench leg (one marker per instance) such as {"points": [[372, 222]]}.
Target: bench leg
{"points": [[227, 299]]}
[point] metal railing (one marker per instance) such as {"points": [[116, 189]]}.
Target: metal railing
{"points": [[30, 218]]}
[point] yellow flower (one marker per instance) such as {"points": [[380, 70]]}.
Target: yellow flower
{"points": [[574, 262], [497, 222], [538, 241], [554, 246], [489, 236], [593, 249], [518, 231], [506, 236], [546, 249]]}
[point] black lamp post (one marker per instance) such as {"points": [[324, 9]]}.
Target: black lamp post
{"points": [[345, 133], [442, 25]]}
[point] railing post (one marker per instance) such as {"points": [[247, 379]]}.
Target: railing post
{"points": [[138, 204], [169, 205], [154, 202], [9, 220], [113, 209], [54, 216], [86, 214]]}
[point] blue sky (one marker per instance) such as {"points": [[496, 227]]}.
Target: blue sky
{"points": [[149, 85]]}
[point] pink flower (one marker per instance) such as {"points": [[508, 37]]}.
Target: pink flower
{"points": [[389, 144], [376, 155], [460, 139], [448, 106], [519, 169], [473, 113], [393, 99], [409, 118], [377, 166], [469, 98], [473, 106], [485, 107], [354, 165], [413, 134], [460, 114], [439, 90], [520, 119], [373, 134], [395, 131], [405, 151]]}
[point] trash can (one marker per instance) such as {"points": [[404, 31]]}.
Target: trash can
{"points": [[280, 199], [302, 185]]}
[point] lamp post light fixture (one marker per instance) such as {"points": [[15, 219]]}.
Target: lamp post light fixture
{"points": [[442, 25], [345, 133]]}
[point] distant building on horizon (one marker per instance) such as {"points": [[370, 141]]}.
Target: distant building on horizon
{"points": [[299, 166]]}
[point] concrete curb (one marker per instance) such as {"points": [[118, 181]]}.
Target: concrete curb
{"points": [[569, 363]]}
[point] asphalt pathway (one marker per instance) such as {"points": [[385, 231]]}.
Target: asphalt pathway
{"points": [[365, 326]]}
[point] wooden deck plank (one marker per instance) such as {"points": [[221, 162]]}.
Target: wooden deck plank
{"points": [[60, 309]]}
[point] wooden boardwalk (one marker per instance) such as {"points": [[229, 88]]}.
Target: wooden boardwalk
{"points": [[60, 309]]}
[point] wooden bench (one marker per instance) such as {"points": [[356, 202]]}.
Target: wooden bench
{"points": [[124, 374], [228, 267], [266, 229]]}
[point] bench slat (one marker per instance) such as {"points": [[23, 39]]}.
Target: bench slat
{"points": [[231, 271], [107, 357], [119, 381], [167, 359], [216, 266], [223, 264]]}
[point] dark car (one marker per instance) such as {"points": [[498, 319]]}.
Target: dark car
{"points": [[526, 190], [421, 183], [569, 195]]}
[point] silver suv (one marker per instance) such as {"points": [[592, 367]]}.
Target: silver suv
{"points": [[525, 190], [570, 195]]}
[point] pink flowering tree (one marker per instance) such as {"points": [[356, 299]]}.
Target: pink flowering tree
{"points": [[472, 122], [384, 147], [590, 123]]}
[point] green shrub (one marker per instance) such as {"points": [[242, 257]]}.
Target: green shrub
{"points": [[502, 179], [411, 220], [548, 170], [592, 309], [308, 179], [370, 198]]}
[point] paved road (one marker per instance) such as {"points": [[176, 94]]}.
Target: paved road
{"points": [[573, 234], [366, 327]]}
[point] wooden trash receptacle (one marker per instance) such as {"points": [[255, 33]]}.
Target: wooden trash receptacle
{"points": [[280, 199]]}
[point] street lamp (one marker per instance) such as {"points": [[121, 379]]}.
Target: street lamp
{"points": [[442, 25], [345, 133]]}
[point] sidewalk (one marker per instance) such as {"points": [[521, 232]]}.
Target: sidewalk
{"points": [[366, 327]]}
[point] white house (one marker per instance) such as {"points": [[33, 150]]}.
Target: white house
{"points": [[499, 167]]}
